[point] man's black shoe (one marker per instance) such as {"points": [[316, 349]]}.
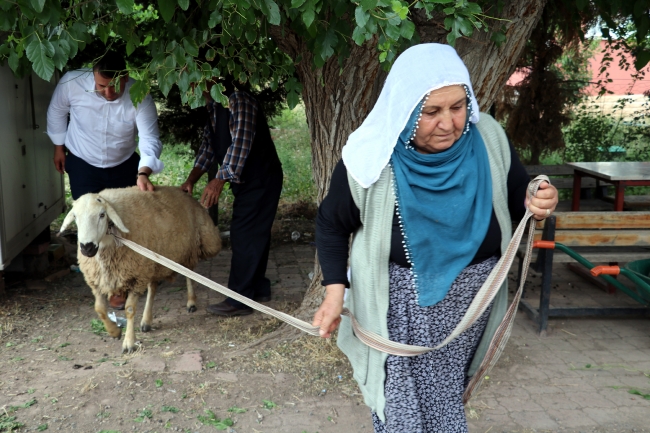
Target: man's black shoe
{"points": [[262, 298], [227, 310]]}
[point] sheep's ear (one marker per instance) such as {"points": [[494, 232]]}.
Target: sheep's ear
{"points": [[113, 216], [66, 222]]}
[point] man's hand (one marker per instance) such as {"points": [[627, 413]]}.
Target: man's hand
{"points": [[328, 316], [188, 187], [211, 193], [143, 179], [59, 159]]}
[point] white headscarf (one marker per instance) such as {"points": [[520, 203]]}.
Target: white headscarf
{"points": [[417, 71]]}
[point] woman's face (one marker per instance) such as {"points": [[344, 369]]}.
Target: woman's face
{"points": [[443, 119]]}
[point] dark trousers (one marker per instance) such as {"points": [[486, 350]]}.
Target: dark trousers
{"points": [[85, 178], [253, 212]]}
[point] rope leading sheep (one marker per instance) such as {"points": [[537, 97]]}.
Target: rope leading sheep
{"points": [[167, 221]]}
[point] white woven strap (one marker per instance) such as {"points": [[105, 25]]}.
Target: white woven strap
{"points": [[478, 306]]}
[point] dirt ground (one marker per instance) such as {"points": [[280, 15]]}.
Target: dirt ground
{"points": [[193, 373]]}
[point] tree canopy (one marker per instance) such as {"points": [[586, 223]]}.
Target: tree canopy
{"points": [[189, 41]]}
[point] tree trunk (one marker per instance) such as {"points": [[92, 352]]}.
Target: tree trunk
{"points": [[338, 99]]}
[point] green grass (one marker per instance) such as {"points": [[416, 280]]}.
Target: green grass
{"points": [[291, 137]]}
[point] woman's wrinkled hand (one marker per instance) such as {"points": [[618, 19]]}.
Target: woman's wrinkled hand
{"points": [[544, 203], [328, 316]]}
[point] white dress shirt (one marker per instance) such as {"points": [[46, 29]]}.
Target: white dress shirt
{"points": [[102, 132]]}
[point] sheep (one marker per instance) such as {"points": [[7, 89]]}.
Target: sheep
{"points": [[167, 221]]}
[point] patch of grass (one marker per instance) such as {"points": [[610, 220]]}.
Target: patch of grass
{"points": [[18, 358], [165, 308], [639, 393], [25, 405], [171, 409], [31, 391], [97, 326], [159, 383], [268, 404], [211, 419], [42, 427], [292, 141], [64, 358], [37, 339], [64, 344], [9, 423], [175, 289], [211, 364], [236, 409], [144, 414]]}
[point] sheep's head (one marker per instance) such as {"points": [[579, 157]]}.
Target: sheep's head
{"points": [[94, 216]]}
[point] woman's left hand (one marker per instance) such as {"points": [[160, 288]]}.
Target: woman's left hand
{"points": [[544, 203]]}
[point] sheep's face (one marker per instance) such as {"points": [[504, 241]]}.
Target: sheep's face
{"points": [[93, 215]]}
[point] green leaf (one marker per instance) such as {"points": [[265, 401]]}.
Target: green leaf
{"points": [[179, 55], [407, 29], [359, 36], [130, 47], [274, 12], [167, 8], [297, 3], [642, 59], [40, 53], [392, 31], [60, 58], [139, 91], [368, 4], [498, 38], [125, 6], [184, 4], [215, 19], [329, 42], [37, 5], [251, 36], [464, 26], [65, 47], [103, 31], [293, 99], [183, 81], [191, 47], [7, 19], [13, 61], [308, 17], [361, 16]]}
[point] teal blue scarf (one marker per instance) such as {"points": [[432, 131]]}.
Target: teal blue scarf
{"points": [[445, 204]]}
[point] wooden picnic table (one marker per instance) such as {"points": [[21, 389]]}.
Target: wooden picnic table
{"points": [[619, 174]]}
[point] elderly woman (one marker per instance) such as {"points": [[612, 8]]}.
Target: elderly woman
{"points": [[428, 186]]}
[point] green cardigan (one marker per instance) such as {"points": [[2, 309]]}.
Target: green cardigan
{"points": [[369, 257]]}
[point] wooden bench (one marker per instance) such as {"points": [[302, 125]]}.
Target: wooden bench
{"points": [[600, 237]]}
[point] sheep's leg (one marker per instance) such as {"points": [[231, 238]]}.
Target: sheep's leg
{"points": [[101, 304], [128, 346], [147, 316], [191, 296]]}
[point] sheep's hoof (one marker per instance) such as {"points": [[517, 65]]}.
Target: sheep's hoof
{"points": [[144, 327], [128, 350], [117, 335], [191, 309]]}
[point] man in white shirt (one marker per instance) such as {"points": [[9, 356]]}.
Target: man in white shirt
{"points": [[100, 139]]}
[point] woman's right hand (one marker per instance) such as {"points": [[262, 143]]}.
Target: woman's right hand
{"points": [[328, 316]]}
